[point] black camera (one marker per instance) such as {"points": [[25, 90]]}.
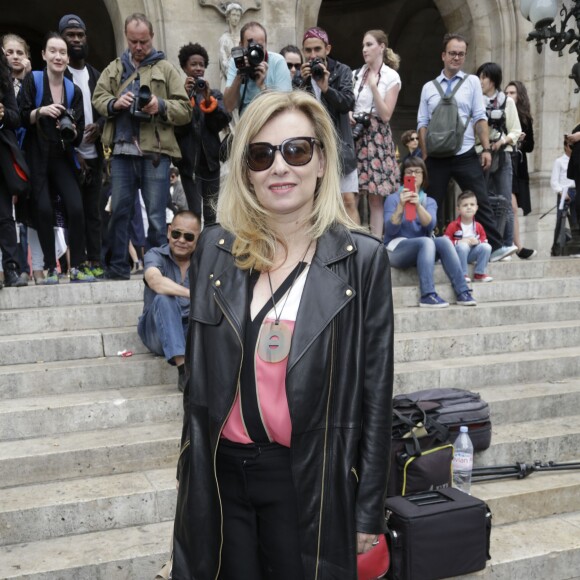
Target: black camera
{"points": [[363, 121], [142, 99], [317, 68], [297, 81], [66, 125], [255, 54], [200, 83]]}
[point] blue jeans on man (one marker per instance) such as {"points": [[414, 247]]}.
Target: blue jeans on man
{"points": [[500, 183], [128, 174], [422, 252], [162, 328]]}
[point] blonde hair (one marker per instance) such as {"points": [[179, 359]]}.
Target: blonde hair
{"points": [[238, 209], [390, 58], [15, 38]]}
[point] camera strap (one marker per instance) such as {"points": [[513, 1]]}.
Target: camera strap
{"points": [[126, 83]]}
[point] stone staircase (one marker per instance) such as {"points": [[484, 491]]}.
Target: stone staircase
{"points": [[89, 440]]}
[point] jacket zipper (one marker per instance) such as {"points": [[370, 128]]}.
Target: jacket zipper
{"points": [[223, 309], [325, 449]]}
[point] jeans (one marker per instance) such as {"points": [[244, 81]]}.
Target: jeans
{"points": [[128, 174], [162, 328], [500, 184], [467, 172], [422, 252], [478, 254]]}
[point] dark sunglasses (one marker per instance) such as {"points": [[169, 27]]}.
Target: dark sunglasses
{"points": [[188, 236], [292, 65], [295, 151]]}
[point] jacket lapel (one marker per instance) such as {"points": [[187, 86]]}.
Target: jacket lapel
{"points": [[325, 292]]}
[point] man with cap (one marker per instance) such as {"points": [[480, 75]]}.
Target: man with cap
{"points": [[90, 151], [142, 96], [330, 82]]}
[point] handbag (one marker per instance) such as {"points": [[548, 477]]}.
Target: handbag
{"points": [[13, 165], [375, 563]]}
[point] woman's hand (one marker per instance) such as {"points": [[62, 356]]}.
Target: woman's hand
{"points": [[407, 195], [55, 111], [1, 112], [372, 79], [365, 542]]}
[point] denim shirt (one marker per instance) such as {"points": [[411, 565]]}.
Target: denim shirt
{"points": [[162, 259]]}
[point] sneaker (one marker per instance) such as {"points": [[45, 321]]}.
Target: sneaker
{"points": [[137, 267], [502, 253], [526, 253], [80, 275], [97, 272], [432, 300], [506, 259], [482, 278], [51, 278], [11, 278], [466, 299], [467, 278]]}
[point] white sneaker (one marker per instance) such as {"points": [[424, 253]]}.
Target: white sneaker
{"points": [[502, 253]]}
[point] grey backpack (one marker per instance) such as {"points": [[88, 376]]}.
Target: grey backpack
{"points": [[446, 129]]}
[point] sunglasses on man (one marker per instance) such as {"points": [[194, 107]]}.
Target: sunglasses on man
{"points": [[177, 234]]}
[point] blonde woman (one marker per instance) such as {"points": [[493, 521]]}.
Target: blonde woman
{"points": [[376, 89], [287, 422]]}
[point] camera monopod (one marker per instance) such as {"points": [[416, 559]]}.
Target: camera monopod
{"points": [[518, 470]]}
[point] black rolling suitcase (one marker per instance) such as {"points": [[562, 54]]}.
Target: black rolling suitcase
{"points": [[437, 534]]}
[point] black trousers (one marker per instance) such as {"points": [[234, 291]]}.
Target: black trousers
{"points": [[8, 243], [60, 179], [261, 539], [467, 172], [91, 194], [201, 188]]}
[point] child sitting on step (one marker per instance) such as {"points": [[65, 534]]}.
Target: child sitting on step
{"points": [[469, 238]]}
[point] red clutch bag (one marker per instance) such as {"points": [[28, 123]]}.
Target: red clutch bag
{"points": [[375, 563]]}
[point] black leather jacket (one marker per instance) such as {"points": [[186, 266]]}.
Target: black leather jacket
{"points": [[339, 100], [339, 387]]}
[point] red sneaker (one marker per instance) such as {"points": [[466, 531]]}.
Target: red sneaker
{"points": [[482, 278]]}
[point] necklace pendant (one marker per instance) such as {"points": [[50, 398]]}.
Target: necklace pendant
{"points": [[274, 343]]}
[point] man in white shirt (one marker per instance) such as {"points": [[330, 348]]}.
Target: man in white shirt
{"points": [[90, 151]]}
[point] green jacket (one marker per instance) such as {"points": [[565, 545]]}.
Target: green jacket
{"points": [[167, 84]]}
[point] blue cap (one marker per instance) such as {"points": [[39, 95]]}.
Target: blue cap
{"points": [[71, 21]]}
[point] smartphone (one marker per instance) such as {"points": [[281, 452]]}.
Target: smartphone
{"points": [[410, 208]]}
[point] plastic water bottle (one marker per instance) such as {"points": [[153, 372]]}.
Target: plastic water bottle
{"points": [[462, 461]]}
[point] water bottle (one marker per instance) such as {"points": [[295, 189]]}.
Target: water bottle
{"points": [[462, 461]]}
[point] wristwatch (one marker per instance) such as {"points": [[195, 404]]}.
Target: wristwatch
{"points": [[486, 150]]}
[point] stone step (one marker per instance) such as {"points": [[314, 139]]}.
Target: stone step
{"points": [[412, 319], [541, 549], [498, 369], [60, 377], [469, 342], [134, 553], [71, 345], [532, 401], [67, 413], [496, 291], [102, 292], [515, 269], [553, 439], [67, 318], [537, 496], [89, 453], [79, 506]]}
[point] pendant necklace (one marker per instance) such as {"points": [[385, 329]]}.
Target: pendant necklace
{"points": [[276, 337]]}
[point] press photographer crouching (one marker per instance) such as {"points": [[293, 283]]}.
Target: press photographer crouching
{"points": [[253, 69], [142, 97]]}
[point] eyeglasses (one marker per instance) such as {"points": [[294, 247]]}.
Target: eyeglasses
{"points": [[414, 171], [414, 138], [454, 54], [177, 234], [296, 151], [292, 65]]}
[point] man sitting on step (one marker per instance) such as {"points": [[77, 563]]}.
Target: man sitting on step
{"points": [[163, 324]]}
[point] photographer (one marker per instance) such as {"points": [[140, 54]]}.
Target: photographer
{"points": [[199, 141], [252, 69], [330, 82], [51, 111], [142, 96]]}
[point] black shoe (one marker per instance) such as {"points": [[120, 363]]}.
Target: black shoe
{"points": [[11, 278], [526, 254]]}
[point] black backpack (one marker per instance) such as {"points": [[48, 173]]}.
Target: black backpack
{"points": [[446, 129]]}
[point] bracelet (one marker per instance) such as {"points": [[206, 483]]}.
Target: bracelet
{"points": [[486, 150]]}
